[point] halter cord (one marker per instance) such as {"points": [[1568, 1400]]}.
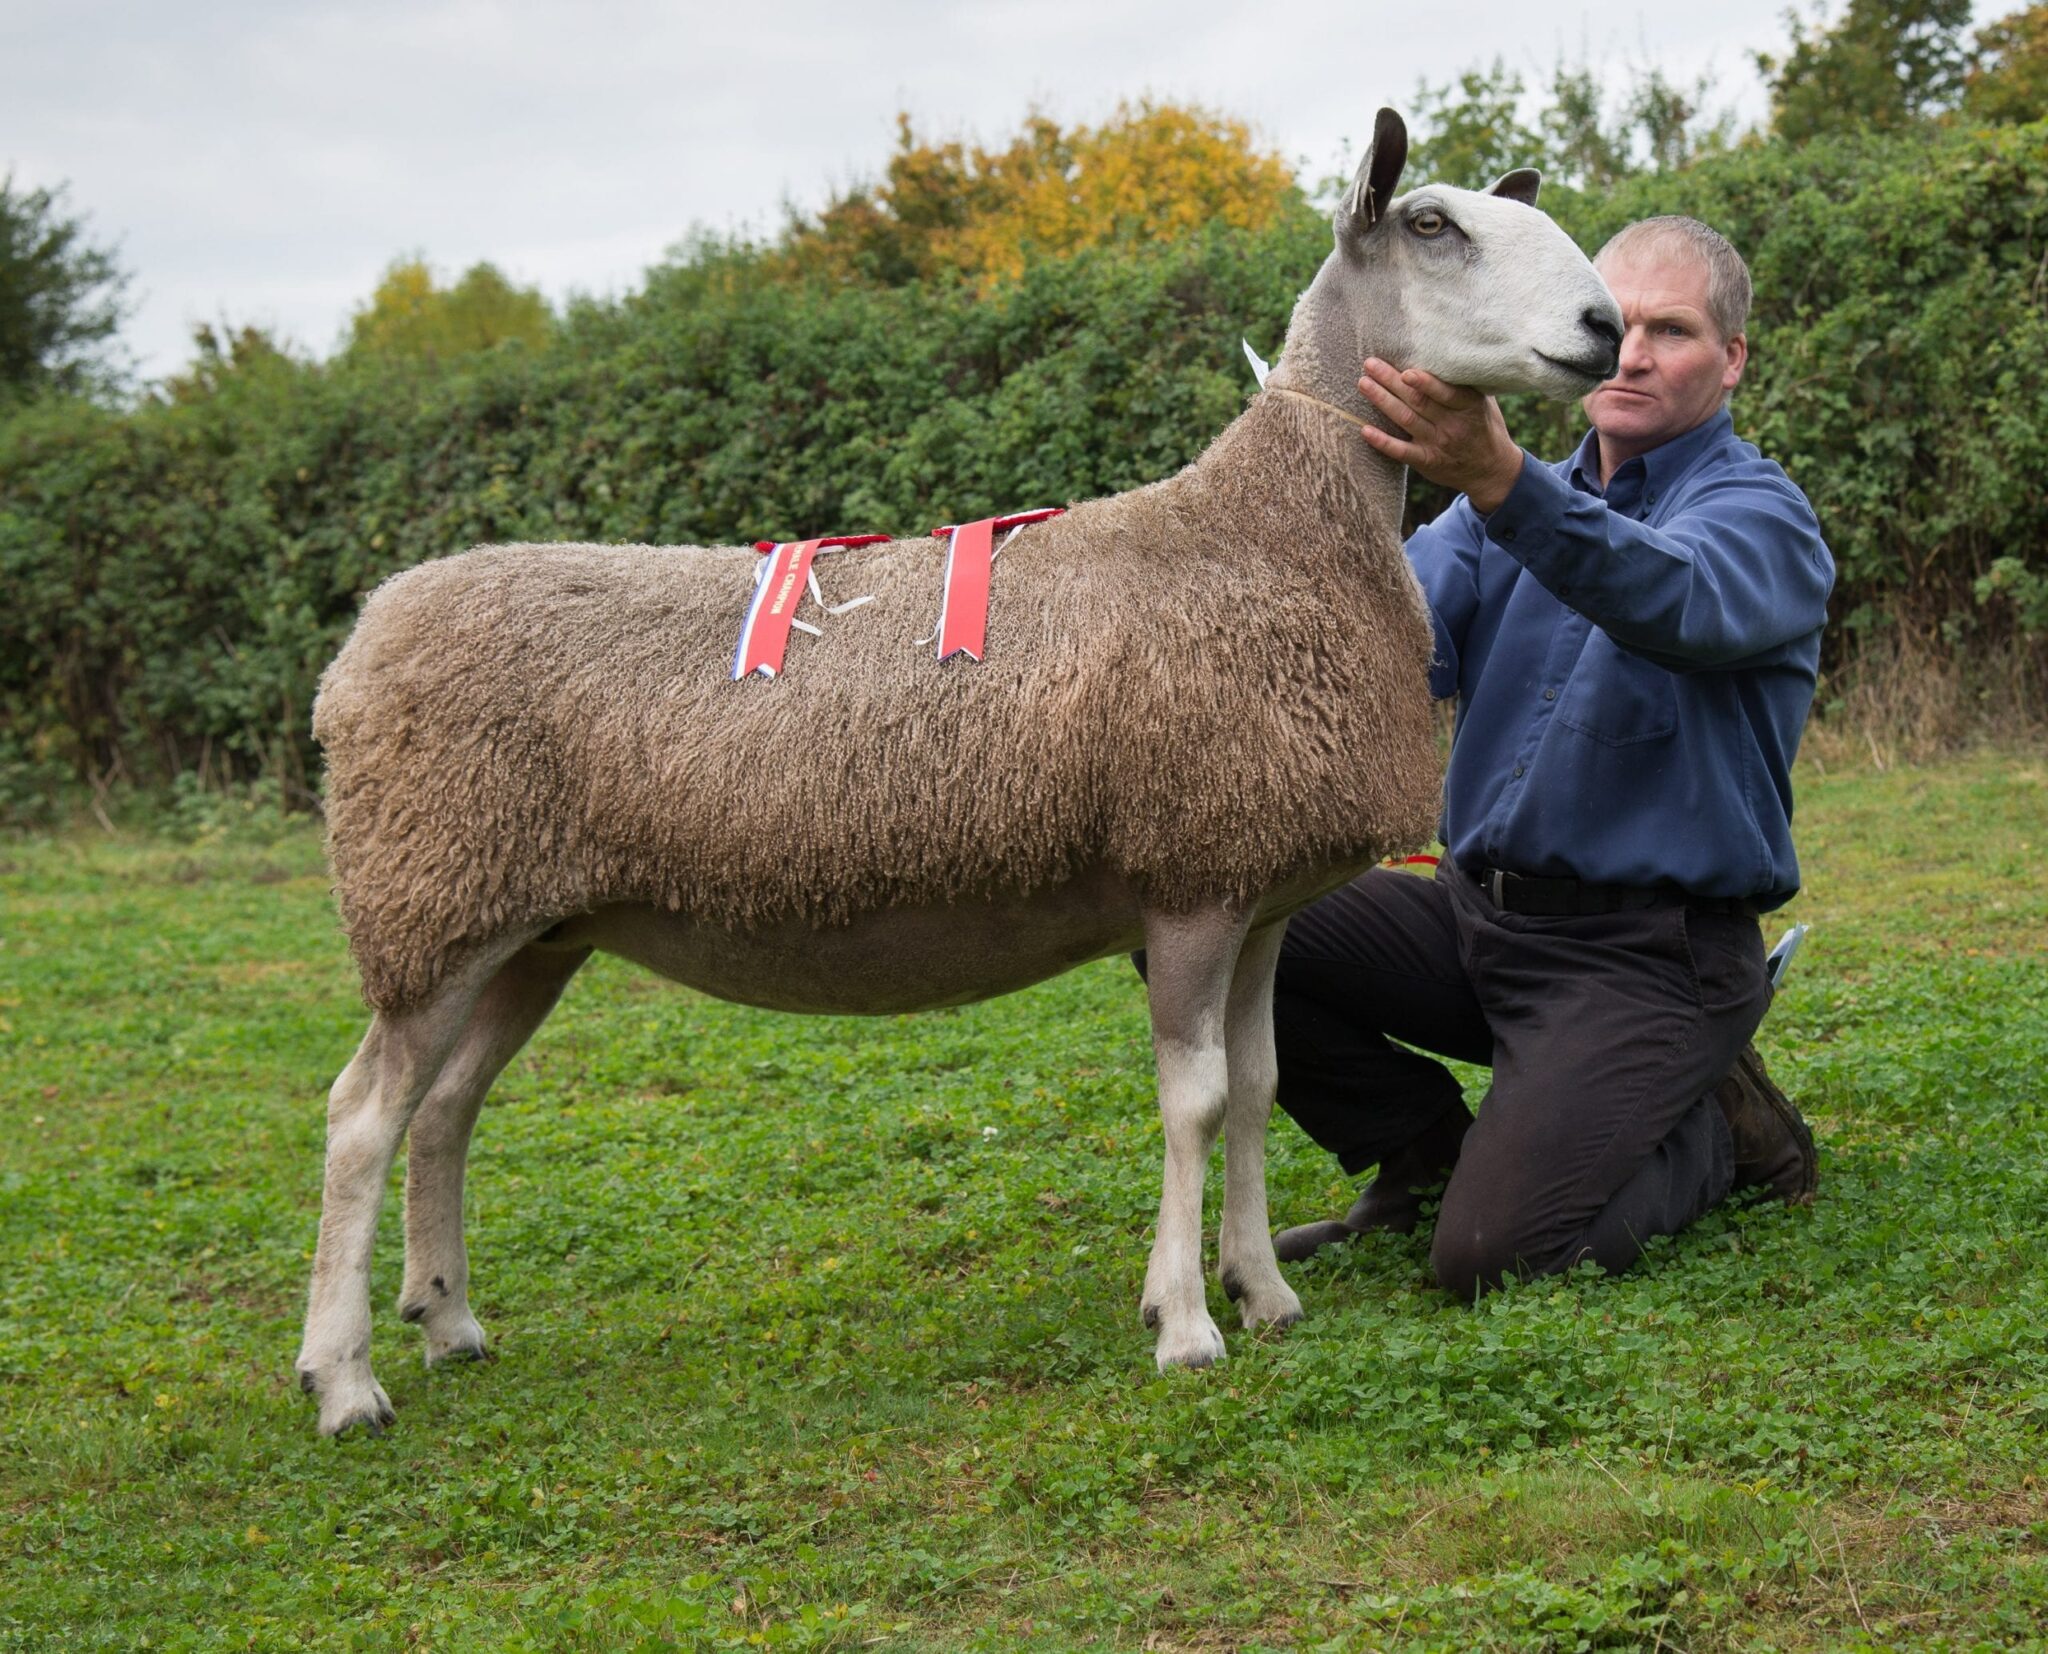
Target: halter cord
{"points": [[1303, 396]]}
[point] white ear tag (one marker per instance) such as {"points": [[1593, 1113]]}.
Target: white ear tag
{"points": [[1259, 368]]}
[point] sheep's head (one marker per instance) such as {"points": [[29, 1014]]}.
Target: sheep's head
{"points": [[1476, 286]]}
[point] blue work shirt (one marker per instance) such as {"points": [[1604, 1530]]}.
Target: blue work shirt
{"points": [[1633, 667]]}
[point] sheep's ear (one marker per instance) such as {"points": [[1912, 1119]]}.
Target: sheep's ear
{"points": [[1379, 174], [1520, 185]]}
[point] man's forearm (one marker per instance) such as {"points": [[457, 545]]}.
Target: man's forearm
{"points": [[1729, 580]]}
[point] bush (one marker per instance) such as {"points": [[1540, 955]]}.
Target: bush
{"points": [[178, 576]]}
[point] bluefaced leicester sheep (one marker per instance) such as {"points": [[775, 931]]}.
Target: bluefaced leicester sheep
{"points": [[1204, 704]]}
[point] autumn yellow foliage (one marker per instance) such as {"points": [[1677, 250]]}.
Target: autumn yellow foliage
{"points": [[412, 315], [1152, 170]]}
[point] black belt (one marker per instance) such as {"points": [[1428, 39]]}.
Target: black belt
{"points": [[1575, 898]]}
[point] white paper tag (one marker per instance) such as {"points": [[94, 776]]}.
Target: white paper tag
{"points": [[1259, 368]]}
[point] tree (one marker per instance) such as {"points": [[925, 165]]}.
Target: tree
{"points": [[1150, 171], [1660, 125], [408, 315], [60, 299], [1578, 149], [228, 355], [1671, 122], [1885, 64], [1471, 129], [2009, 80]]}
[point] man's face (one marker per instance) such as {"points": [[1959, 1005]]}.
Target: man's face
{"points": [[1675, 368]]}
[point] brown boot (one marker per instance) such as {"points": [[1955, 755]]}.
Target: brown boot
{"points": [[1773, 1147], [1392, 1200]]}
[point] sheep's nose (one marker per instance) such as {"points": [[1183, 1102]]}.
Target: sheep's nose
{"points": [[1606, 332]]}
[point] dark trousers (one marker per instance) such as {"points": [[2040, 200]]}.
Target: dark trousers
{"points": [[1606, 1036]]}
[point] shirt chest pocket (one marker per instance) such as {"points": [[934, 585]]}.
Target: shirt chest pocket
{"points": [[1617, 698]]}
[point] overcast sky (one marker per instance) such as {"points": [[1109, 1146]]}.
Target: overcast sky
{"points": [[263, 160]]}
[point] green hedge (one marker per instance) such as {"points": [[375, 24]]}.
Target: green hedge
{"points": [[175, 577]]}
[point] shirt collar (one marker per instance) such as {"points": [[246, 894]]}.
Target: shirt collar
{"points": [[1659, 468]]}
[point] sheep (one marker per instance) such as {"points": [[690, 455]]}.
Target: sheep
{"points": [[1204, 703]]}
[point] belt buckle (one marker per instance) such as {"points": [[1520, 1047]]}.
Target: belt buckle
{"points": [[1495, 885]]}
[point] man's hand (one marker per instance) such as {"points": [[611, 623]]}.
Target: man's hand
{"points": [[1456, 437]]}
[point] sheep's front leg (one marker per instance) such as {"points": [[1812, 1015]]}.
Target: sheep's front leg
{"points": [[1189, 960], [1249, 1271]]}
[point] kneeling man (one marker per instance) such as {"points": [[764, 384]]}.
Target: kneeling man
{"points": [[1632, 637]]}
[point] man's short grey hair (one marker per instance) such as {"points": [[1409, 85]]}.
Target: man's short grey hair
{"points": [[1728, 290]]}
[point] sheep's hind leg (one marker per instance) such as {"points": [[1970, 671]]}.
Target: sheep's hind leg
{"points": [[1189, 960], [367, 1113], [436, 1290], [1249, 1271]]}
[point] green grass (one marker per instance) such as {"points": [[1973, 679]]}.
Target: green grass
{"points": [[823, 1333]]}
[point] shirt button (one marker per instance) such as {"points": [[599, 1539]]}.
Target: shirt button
{"points": [[1507, 534], [1518, 772], [1550, 694]]}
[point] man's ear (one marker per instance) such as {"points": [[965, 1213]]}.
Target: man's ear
{"points": [[1520, 185], [1379, 175], [1734, 358]]}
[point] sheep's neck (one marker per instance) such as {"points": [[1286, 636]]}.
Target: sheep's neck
{"points": [[1338, 449], [1340, 320], [1296, 450]]}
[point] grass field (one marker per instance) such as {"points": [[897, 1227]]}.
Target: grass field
{"points": [[824, 1333]]}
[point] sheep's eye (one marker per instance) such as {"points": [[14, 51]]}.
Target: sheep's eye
{"points": [[1429, 222]]}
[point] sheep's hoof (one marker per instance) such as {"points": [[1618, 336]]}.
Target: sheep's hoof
{"points": [[1271, 1306], [462, 1342], [372, 1423], [1271, 1323], [348, 1402], [1197, 1344]]}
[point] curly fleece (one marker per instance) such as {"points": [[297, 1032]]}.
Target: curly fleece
{"points": [[1211, 686]]}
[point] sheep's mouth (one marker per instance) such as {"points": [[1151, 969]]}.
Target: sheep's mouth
{"points": [[1592, 372]]}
